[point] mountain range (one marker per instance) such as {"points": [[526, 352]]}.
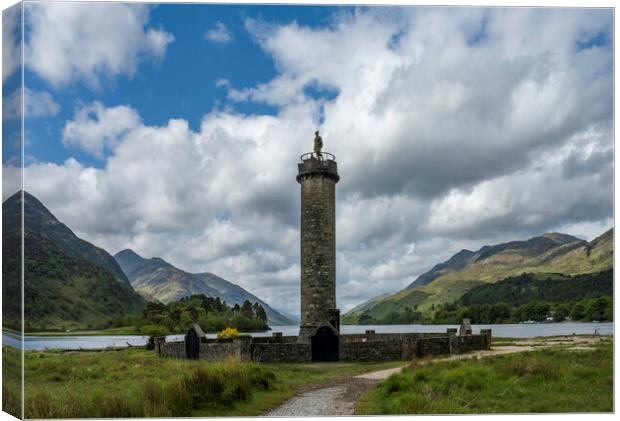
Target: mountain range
{"points": [[449, 280], [69, 283], [156, 279]]}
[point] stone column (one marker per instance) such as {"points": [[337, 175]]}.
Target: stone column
{"points": [[318, 178], [159, 342], [488, 334]]}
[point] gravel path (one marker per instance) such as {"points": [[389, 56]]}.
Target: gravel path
{"points": [[339, 398]]}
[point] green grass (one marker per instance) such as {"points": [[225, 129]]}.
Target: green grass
{"points": [[11, 381], [136, 383], [546, 381], [124, 330]]}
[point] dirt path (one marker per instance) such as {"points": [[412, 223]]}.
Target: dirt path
{"points": [[340, 397]]}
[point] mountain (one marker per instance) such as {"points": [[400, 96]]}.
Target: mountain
{"points": [[156, 278], [368, 303], [449, 280], [532, 247], [68, 283]]}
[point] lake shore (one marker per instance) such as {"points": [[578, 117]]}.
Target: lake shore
{"points": [[293, 329], [105, 339]]}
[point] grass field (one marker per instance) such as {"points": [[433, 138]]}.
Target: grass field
{"points": [[135, 383], [546, 381], [125, 330]]}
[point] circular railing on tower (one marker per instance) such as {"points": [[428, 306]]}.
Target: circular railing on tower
{"points": [[323, 156]]}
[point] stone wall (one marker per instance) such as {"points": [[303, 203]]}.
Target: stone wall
{"points": [[371, 336], [172, 349], [468, 343], [426, 347], [389, 350], [274, 339], [357, 347], [281, 353]]}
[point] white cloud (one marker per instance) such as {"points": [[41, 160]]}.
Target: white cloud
{"points": [[37, 104], [453, 128], [219, 33], [222, 83], [11, 42], [89, 41], [96, 129]]}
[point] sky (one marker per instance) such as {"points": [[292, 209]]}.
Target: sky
{"points": [[175, 130]]}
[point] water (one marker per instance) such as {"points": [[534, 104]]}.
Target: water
{"points": [[38, 343]]}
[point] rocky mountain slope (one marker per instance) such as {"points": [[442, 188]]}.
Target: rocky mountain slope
{"points": [[449, 280], [69, 283], [157, 279]]}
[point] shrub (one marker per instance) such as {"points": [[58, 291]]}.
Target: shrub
{"points": [[229, 332]]}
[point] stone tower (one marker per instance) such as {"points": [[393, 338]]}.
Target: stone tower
{"points": [[318, 175]]}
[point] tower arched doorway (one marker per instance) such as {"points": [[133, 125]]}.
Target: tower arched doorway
{"points": [[325, 345]]}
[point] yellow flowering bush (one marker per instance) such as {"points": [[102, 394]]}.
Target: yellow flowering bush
{"points": [[229, 332]]}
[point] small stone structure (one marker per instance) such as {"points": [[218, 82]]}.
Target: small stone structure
{"points": [[369, 346], [465, 328], [319, 333]]}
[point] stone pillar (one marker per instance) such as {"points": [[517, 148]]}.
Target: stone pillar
{"points": [[318, 178], [370, 335], [465, 328], [159, 342], [487, 333]]}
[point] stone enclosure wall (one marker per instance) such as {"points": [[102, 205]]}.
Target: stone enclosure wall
{"points": [[281, 352], [358, 347]]}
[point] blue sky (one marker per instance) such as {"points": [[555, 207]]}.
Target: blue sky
{"points": [[175, 130], [183, 85]]}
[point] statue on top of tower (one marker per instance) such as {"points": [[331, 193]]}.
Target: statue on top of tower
{"points": [[318, 144]]}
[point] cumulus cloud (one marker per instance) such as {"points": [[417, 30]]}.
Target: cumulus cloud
{"points": [[96, 129], [453, 128], [37, 104], [11, 42], [90, 41], [219, 33], [532, 198]]}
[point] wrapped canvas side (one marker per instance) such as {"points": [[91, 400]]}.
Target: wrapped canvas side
{"points": [[12, 212]]}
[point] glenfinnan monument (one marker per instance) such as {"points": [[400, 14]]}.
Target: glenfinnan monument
{"points": [[319, 334], [320, 319]]}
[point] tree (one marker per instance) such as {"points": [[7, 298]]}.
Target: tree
{"points": [[186, 319], [366, 319], [561, 311], [578, 311], [261, 314], [246, 309]]}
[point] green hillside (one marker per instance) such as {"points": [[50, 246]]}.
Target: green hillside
{"points": [[534, 297], [530, 287], [66, 288], [448, 281]]}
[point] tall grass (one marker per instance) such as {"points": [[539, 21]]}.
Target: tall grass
{"points": [[11, 381], [534, 382], [136, 383], [203, 386]]}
